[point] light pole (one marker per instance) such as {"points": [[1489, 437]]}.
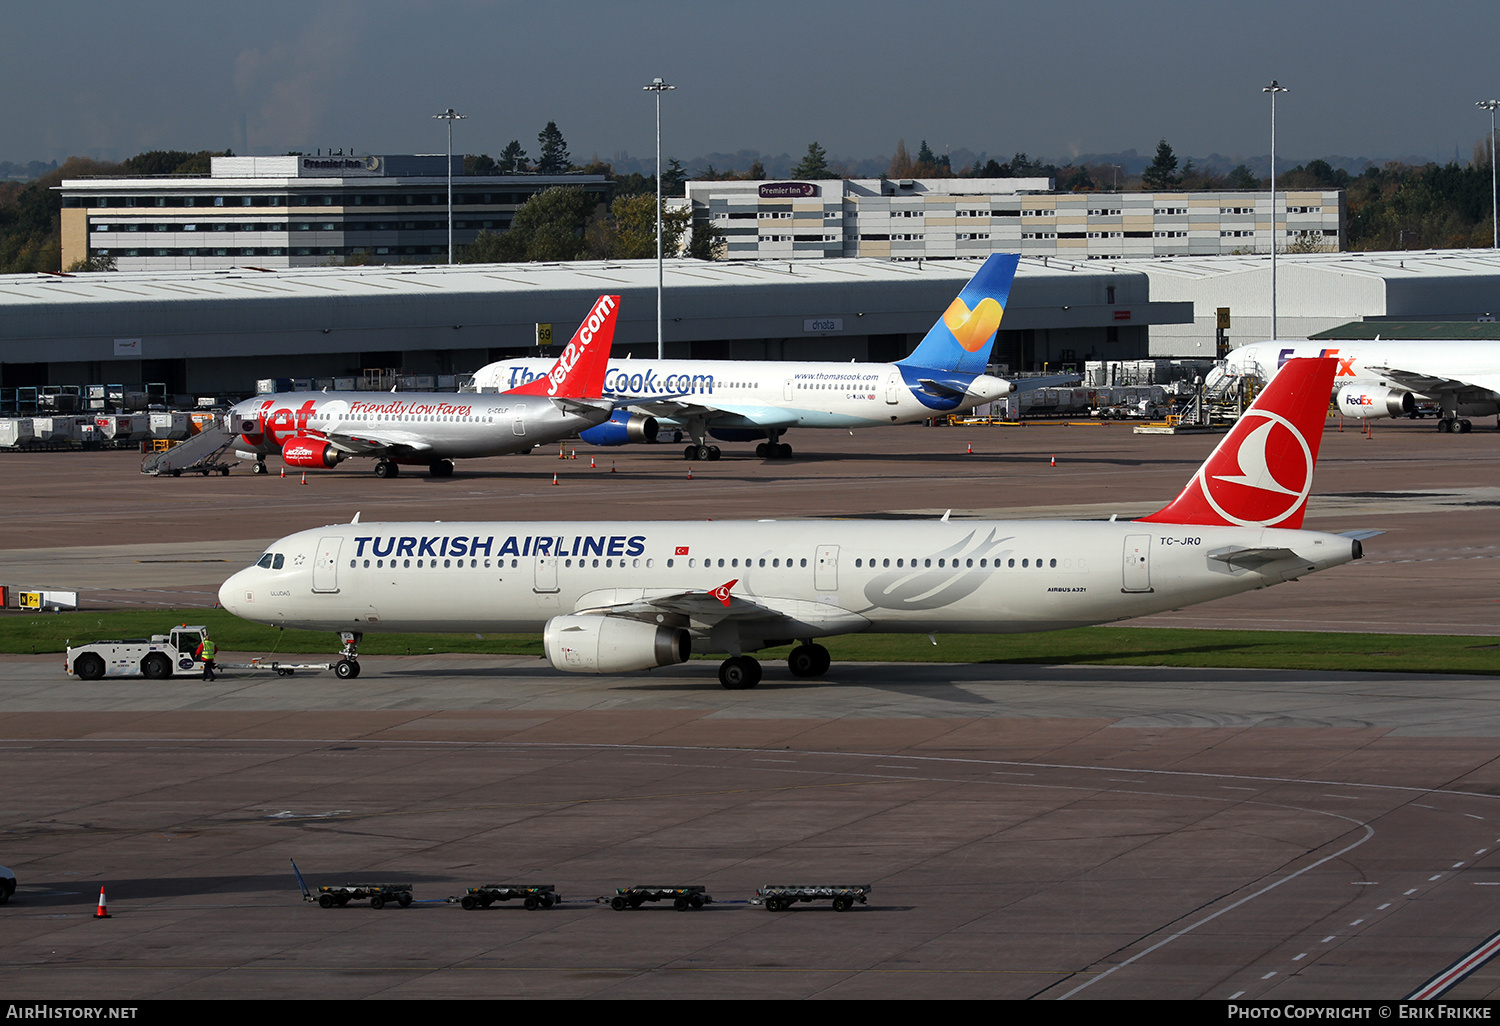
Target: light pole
{"points": [[1273, 89], [1491, 105], [450, 116], [658, 87]]}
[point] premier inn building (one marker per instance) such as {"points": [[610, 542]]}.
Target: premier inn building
{"points": [[293, 211]]}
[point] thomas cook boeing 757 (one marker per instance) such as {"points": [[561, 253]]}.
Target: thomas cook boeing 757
{"points": [[747, 400], [615, 597]]}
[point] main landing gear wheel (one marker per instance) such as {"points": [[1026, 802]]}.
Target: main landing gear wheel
{"points": [[346, 669], [808, 661], [702, 453], [739, 673], [773, 451], [441, 468], [260, 467], [385, 468], [1455, 425]]}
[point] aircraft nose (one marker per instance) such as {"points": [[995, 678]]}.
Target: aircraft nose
{"points": [[231, 593]]}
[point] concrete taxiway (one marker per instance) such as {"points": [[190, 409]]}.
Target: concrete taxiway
{"points": [[1030, 832]]}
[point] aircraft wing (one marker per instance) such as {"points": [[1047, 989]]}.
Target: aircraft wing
{"points": [[1433, 385], [738, 415], [705, 609], [383, 443]]}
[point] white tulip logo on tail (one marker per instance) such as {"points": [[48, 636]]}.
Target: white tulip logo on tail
{"points": [[1254, 497]]}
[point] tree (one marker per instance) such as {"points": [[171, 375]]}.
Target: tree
{"points": [[708, 242], [757, 172], [902, 166], [94, 262], [512, 159], [1242, 179], [1162, 174], [553, 158], [480, 164], [814, 165], [551, 225], [672, 178], [633, 228]]}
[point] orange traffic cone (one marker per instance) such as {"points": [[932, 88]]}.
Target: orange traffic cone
{"points": [[574, 456], [690, 473], [283, 473], [101, 912], [554, 479], [591, 463], [1054, 461], [611, 466], [562, 452]]}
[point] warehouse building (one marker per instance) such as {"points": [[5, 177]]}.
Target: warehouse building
{"points": [[220, 331]]}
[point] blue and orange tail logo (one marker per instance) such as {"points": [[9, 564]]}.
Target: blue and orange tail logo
{"points": [[962, 338]]}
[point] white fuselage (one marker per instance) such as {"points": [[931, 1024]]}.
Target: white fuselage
{"points": [[816, 578], [437, 425], [1468, 370], [777, 394]]}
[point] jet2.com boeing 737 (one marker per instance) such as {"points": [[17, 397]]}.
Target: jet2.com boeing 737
{"points": [[317, 430], [745, 400], [616, 597]]}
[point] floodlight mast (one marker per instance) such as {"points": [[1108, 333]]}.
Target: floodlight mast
{"points": [[658, 87], [1274, 88], [450, 116]]}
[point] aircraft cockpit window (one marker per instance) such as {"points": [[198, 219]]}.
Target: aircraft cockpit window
{"points": [[264, 562], [278, 562]]}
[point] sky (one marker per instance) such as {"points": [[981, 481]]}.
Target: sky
{"points": [[1377, 78]]}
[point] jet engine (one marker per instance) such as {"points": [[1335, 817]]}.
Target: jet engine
{"points": [[612, 644], [302, 451], [621, 429], [1365, 400]]}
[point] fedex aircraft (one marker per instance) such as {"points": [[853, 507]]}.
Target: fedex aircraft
{"points": [[319, 429], [615, 597], [1385, 378], [743, 400]]}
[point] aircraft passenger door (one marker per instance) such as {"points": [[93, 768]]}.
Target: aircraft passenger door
{"points": [[1137, 563], [326, 565], [789, 390], [546, 574], [826, 573], [893, 388], [519, 427]]}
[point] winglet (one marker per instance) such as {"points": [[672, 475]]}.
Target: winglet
{"points": [[579, 371], [722, 591], [963, 336], [1261, 473]]}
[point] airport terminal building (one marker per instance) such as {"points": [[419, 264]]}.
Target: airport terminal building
{"points": [[294, 211]]}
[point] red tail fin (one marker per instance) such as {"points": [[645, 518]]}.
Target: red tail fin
{"points": [[1261, 473], [579, 371]]}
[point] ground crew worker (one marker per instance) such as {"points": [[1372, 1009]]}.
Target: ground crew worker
{"points": [[206, 651]]}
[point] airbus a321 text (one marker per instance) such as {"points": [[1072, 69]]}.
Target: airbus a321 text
{"points": [[745, 400], [319, 429], [615, 597], [1386, 378]]}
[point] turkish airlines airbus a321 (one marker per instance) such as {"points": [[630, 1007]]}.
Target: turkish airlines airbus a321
{"points": [[319, 429], [759, 400], [616, 597]]}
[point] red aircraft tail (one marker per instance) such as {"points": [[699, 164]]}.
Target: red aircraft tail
{"points": [[579, 371], [1261, 473]]}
